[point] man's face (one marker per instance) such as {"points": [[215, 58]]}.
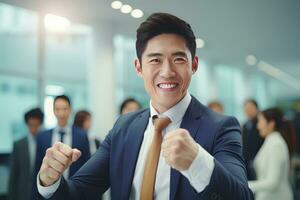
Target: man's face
{"points": [[62, 112], [250, 110], [166, 69], [33, 125]]}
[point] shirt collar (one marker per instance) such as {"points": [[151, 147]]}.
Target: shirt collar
{"points": [[31, 137], [176, 112], [65, 129]]}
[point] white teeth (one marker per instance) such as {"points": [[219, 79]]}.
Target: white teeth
{"points": [[167, 86]]}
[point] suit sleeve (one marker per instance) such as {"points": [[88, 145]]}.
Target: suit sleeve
{"points": [[13, 176], [228, 180], [91, 180]]}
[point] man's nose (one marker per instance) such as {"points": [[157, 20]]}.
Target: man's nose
{"points": [[167, 70]]}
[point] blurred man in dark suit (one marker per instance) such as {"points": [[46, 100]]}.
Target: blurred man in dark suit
{"points": [[251, 139], [23, 158]]}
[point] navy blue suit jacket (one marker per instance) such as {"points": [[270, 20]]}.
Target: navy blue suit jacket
{"points": [[113, 165], [79, 141]]}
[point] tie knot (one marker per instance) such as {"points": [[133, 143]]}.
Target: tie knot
{"points": [[62, 133], [161, 123]]}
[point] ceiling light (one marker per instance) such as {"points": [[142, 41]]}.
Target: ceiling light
{"points": [[126, 9], [200, 43], [116, 4], [251, 60], [137, 13], [56, 23]]}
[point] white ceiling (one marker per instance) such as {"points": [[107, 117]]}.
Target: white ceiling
{"points": [[232, 29]]}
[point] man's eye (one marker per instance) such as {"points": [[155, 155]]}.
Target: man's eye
{"points": [[179, 60], [154, 61]]}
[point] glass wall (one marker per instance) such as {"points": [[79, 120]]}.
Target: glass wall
{"points": [[36, 64], [128, 83]]}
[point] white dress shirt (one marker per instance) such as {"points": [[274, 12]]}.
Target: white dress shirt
{"points": [[32, 150], [199, 179], [198, 174], [272, 168]]}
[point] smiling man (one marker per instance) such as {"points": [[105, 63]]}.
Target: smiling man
{"points": [[176, 149]]}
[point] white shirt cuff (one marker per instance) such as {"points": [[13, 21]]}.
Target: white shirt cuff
{"points": [[48, 191], [200, 171]]}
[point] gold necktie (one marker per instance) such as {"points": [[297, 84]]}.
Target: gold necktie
{"points": [[148, 184]]}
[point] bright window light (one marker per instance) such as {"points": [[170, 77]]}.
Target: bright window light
{"points": [[56, 23], [137, 13], [116, 4], [50, 120], [54, 90], [126, 9]]}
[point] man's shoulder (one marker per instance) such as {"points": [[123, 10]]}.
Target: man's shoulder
{"points": [[44, 134], [21, 142], [78, 131], [208, 114], [127, 119]]}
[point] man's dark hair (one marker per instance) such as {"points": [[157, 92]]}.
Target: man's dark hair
{"points": [[159, 23], [64, 97], [251, 101], [35, 113], [126, 101]]}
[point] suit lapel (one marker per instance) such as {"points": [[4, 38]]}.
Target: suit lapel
{"points": [[190, 123], [135, 135], [27, 157]]}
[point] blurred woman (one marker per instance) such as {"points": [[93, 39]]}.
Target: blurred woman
{"points": [[272, 162], [83, 120]]}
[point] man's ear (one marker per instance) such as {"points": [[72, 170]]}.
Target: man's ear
{"points": [[195, 64], [138, 67]]}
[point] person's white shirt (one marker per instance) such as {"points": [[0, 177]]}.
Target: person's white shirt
{"points": [[199, 179], [32, 150], [272, 168]]}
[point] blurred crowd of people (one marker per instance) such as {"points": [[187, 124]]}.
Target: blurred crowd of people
{"points": [[269, 141]]}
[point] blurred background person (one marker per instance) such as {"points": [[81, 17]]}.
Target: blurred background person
{"points": [[252, 141], [50, 53], [64, 133], [129, 105], [272, 162], [83, 120], [23, 158], [216, 106]]}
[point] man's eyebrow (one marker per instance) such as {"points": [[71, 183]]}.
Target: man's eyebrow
{"points": [[179, 53], [153, 55]]}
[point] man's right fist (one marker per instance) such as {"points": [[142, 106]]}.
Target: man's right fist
{"points": [[57, 159]]}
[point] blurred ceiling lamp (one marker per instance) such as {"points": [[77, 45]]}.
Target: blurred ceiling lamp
{"points": [[251, 60], [116, 4], [137, 13], [200, 43], [56, 23], [126, 9], [279, 74]]}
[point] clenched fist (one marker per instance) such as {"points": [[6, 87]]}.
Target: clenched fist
{"points": [[57, 159], [179, 149]]}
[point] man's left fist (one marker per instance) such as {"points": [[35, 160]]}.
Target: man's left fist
{"points": [[179, 149]]}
